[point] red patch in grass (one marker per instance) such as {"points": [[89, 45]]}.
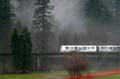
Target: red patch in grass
{"points": [[95, 75], [106, 73]]}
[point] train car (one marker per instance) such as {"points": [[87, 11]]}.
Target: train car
{"points": [[78, 48], [109, 48]]}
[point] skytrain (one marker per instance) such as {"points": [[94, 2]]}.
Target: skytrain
{"points": [[90, 48], [109, 48]]}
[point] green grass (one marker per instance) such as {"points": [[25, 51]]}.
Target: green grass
{"points": [[39, 75], [110, 77], [58, 73], [23, 76], [47, 75]]}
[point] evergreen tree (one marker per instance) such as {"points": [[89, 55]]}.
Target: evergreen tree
{"points": [[15, 49], [96, 10], [42, 22], [22, 51], [115, 4], [5, 13], [5, 24], [26, 50]]}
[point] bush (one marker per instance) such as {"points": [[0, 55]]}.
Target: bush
{"points": [[74, 64]]}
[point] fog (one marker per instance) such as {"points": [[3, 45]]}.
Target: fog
{"points": [[68, 14]]}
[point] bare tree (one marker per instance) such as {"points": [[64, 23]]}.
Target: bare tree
{"points": [[74, 64]]}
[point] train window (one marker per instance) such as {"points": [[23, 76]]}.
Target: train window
{"points": [[103, 47], [84, 48], [88, 47], [92, 47], [75, 47], [66, 47], [110, 48]]}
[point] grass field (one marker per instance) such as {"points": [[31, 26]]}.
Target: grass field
{"points": [[34, 75], [22, 76], [54, 75], [110, 77]]}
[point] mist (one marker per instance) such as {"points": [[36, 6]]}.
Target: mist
{"points": [[70, 16], [67, 12]]}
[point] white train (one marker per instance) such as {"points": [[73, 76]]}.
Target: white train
{"points": [[109, 48], [78, 48], [90, 48]]}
